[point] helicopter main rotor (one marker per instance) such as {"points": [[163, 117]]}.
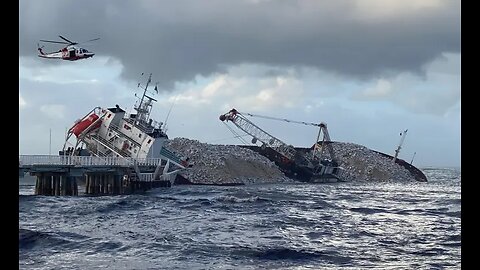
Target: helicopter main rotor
{"points": [[68, 42]]}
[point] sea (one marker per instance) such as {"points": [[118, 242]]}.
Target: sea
{"points": [[350, 225]]}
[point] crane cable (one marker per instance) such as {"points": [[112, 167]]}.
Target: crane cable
{"points": [[222, 139], [235, 133], [282, 119]]}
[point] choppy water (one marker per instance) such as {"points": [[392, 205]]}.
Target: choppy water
{"points": [[276, 226]]}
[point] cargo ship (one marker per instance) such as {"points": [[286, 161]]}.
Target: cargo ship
{"points": [[112, 132]]}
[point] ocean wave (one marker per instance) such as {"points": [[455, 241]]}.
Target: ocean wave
{"points": [[289, 254], [29, 239], [358, 226], [233, 199], [371, 210]]}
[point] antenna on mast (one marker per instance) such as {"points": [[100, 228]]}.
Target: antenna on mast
{"points": [[145, 106], [170, 110], [414, 153], [403, 134]]}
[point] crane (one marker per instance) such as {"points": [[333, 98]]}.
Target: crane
{"points": [[397, 151], [259, 134], [315, 163], [322, 127]]}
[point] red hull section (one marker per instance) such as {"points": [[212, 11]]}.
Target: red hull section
{"points": [[82, 125]]}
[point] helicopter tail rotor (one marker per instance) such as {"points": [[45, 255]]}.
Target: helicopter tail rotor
{"points": [[40, 49]]}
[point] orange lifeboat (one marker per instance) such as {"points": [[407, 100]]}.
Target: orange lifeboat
{"points": [[82, 125]]}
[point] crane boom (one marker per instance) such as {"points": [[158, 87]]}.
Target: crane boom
{"points": [[283, 119], [259, 134], [322, 127], [295, 163]]}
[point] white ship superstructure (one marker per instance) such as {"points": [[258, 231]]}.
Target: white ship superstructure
{"points": [[113, 132]]}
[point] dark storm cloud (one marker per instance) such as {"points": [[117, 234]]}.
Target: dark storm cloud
{"points": [[177, 40]]}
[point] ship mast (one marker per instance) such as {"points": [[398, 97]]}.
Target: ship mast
{"points": [[145, 106], [400, 144]]}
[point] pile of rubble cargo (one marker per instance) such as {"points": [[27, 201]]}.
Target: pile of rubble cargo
{"points": [[230, 164], [360, 163], [225, 164]]}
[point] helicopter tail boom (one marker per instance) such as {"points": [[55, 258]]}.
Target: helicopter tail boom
{"points": [[40, 49]]}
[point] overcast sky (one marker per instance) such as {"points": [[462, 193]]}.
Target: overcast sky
{"points": [[368, 68]]}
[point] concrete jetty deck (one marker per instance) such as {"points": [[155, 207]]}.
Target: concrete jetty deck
{"points": [[58, 175]]}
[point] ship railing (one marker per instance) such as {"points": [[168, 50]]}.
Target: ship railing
{"points": [[146, 161], [29, 160], [169, 155], [109, 146], [157, 125], [147, 177], [116, 128]]}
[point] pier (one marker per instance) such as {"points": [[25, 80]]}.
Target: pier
{"points": [[60, 175]]}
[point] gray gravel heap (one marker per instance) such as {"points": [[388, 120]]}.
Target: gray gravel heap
{"points": [[230, 164], [225, 164], [363, 164]]}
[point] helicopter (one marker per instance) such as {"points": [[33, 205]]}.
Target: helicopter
{"points": [[69, 52]]}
